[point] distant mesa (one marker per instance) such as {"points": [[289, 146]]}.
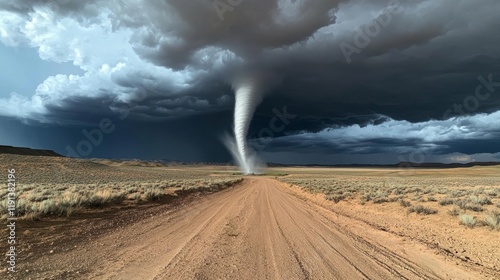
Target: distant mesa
{"points": [[27, 151]]}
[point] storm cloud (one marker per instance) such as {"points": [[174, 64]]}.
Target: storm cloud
{"points": [[362, 77]]}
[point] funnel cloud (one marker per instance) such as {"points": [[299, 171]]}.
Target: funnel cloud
{"points": [[246, 101], [249, 91]]}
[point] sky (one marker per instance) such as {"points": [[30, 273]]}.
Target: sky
{"points": [[359, 81]]}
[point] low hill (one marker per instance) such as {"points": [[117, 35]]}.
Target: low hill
{"points": [[27, 151]]}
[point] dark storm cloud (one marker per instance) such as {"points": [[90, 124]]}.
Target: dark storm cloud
{"points": [[186, 28], [472, 147], [418, 64], [469, 135], [412, 61]]}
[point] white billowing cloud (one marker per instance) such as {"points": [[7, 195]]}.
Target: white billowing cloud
{"points": [[467, 127], [19, 106], [51, 92], [430, 135], [65, 39], [10, 29], [477, 126], [112, 68]]}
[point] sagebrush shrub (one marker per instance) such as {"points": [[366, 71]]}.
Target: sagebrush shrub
{"points": [[420, 209], [467, 220], [493, 220]]}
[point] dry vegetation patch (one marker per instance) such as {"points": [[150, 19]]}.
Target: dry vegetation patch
{"points": [[61, 186], [420, 192]]}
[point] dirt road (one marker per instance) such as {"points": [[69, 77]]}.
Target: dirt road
{"points": [[258, 230]]}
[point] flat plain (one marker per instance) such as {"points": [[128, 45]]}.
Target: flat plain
{"points": [[106, 219]]}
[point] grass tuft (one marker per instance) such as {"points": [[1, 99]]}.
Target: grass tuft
{"points": [[404, 203], [467, 220], [454, 211], [446, 201], [335, 197], [431, 198], [493, 220], [420, 209]]}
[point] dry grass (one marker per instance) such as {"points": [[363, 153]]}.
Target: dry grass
{"points": [[424, 192], [83, 184], [467, 220], [454, 211], [419, 209], [493, 220], [57, 199]]}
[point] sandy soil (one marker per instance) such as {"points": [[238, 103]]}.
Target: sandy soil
{"points": [[477, 247], [257, 230]]}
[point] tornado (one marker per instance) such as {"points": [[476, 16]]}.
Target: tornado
{"points": [[248, 95]]}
